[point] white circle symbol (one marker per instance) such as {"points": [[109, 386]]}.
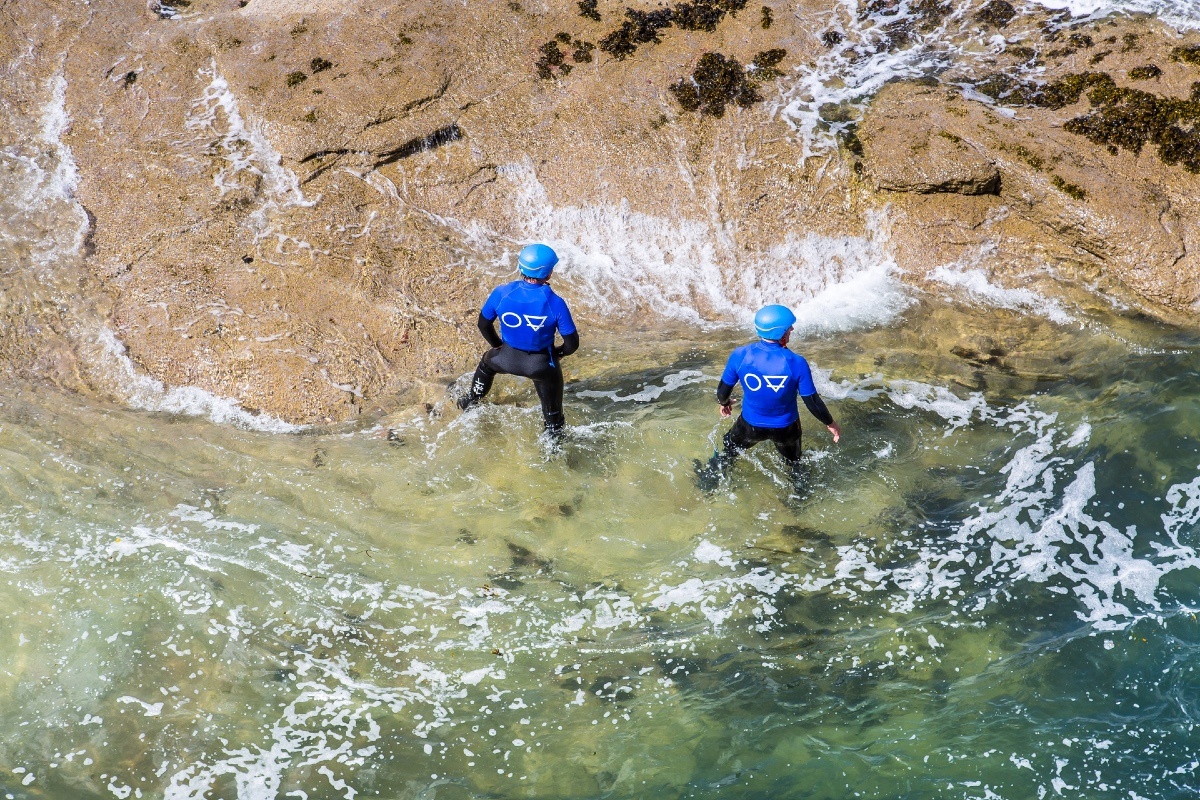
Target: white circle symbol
{"points": [[510, 319], [757, 381]]}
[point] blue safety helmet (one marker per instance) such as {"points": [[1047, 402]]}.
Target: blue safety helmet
{"points": [[772, 322], [537, 261]]}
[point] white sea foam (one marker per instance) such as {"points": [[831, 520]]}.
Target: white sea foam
{"points": [[148, 394], [619, 262], [246, 150], [976, 284], [671, 383], [853, 71], [1182, 14], [42, 221]]}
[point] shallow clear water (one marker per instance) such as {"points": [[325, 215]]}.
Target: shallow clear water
{"points": [[989, 591]]}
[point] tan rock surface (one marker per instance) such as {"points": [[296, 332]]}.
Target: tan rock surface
{"points": [[1126, 224], [301, 204]]}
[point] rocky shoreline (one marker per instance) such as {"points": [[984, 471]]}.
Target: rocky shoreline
{"points": [[301, 207]]}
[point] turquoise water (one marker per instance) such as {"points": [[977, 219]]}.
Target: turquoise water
{"points": [[989, 591]]}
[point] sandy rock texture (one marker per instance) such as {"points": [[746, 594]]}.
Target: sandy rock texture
{"points": [[301, 204], [1125, 223]]}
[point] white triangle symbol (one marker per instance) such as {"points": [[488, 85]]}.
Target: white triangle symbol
{"points": [[530, 321], [775, 382]]}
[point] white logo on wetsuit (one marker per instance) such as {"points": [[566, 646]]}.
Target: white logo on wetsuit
{"points": [[511, 320], [774, 382]]}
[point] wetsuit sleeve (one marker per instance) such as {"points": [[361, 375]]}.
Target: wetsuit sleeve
{"points": [[488, 328], [816, 406], [724, 392], [570, 345], [490, 310], [562, 315], [729, 379]]}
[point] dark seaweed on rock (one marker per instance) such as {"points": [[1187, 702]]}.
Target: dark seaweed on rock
{"points": [[704, 15], [642, 27], [1080, 40], [589, 9], [716, 82], [552, 57], [1121, 118], [832, 38], [1124, 118], [765, 63], [319, 65], [931, 13], [997, 13], [639, 27], [583, 52], [1145, 73], [767, 17], [1189, 53]]}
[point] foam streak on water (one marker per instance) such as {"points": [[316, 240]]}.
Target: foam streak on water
{"points": [[148, 394]]}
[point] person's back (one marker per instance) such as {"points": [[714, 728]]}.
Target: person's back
{"points": [[530, 314], [771, 377]]}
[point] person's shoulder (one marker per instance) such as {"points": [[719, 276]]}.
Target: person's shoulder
{"points": [[797, 359], [739, 353]]}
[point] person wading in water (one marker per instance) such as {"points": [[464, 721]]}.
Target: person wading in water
{"points": [[529, 312], [771, 377]]}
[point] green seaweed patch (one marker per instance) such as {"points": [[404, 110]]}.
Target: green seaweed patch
{"points": [[1098, 57], [1188, 53], [1029, 157], [589, 9], [1023, 52], [950, 137], [1121, 118], [1196, 91], [1129, 42], [766, 18], [1145, 73], [296, 78], [718, 81], [319, 65], [1069, 189], [1080, 40], [129, 79], [996, 13]]}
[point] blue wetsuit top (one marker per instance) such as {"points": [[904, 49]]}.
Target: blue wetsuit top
{"points": [[529, 314], [771, 377]]}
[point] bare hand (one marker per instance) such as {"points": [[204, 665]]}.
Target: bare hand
{"points": [[836, 431], [727, 410]]}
